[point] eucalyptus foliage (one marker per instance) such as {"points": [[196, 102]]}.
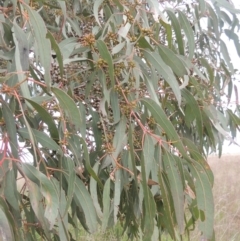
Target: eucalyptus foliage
{"points": [[109, 110]]}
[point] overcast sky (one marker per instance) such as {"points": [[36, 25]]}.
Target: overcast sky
{"points": [[236, 60]]}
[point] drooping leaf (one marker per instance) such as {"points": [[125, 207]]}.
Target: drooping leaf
{"points": [[69, 107], [176, 185], [46, 117], [47, 190], [161, 118], [83, 199], [11, 128], [195, 112], [44, 45], [172, 60], [177, 30], [56, 49], [204, 199], [164, 71], [42, 138], [189, 33], [104, 53]]}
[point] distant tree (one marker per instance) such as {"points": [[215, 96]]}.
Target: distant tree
{"points": [[109, 110]]}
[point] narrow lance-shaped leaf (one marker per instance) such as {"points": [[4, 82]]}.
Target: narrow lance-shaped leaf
{"points": [[47, 190], [226, 56], [42, 138], [118, 185], [6, 222], [21, 58], [189, 33], [43, 44], [47, 118], [204, 199], [149, 204], [177, 30], [164, 71], [36, 197], [176, 186], [57, 50], [101, 46], [83, 199], [88, 165], [166, 202], [161, 118], [106, 204], [11, 128], [94, 192], [171, 59], [69, 167], [96, 6], [69, 107], [196, 111], [148, 153]]}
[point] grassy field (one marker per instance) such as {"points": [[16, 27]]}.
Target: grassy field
{"points": [[227, 204], [227, 197]]}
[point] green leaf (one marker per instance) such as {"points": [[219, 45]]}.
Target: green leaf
{"points": [[83, 199], [227, 5], [62, 219], [43, 44], [226, 56], [11, 128], [168, 29], [69, 107], [94, 192], [176, 186], [118, 186], [177, 29], [106, 204], [6, 230], [22, 46], [47, 118], [21, 54], [103, 50], [148, 153], [164, 71], [87, 163], [149, 204], [115, 106], [42, 138], [165, 195], [171, 59], [204, 197], [195, 112], [11, 193], [96, 6], [57, 50], [213, 20], [165, 124], [119, 140], [69, 167], [189, 33], [210, 70], [48, 191], [36, 197]]}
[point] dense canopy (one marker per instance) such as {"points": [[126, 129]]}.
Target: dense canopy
{"points": [[109, 110]]}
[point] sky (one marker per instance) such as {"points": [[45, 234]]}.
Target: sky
{"points": [[233, 149]]}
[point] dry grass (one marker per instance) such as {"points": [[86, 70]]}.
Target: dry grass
{"points": [[227, 196]]}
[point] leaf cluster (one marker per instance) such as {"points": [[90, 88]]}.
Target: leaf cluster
{"points": [[108, 112]]}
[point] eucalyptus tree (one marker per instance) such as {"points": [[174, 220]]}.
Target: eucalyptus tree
{"points": [[109, 110]]}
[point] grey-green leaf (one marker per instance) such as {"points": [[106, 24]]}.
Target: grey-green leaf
{"points": [[69, 107]]}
